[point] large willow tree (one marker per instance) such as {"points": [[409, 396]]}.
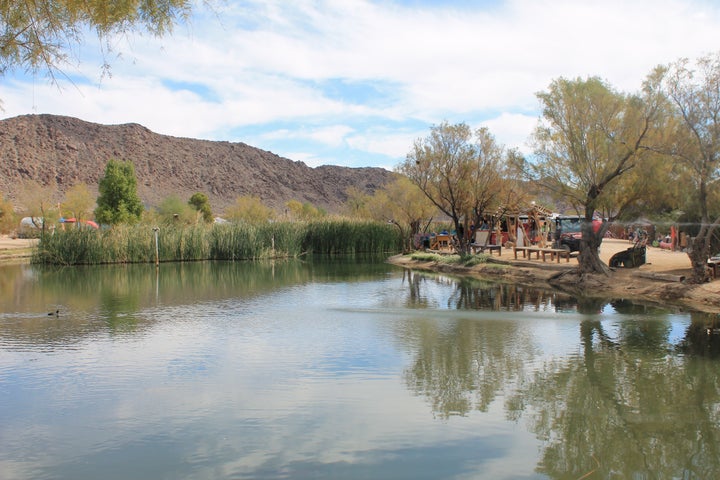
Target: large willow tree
{"points": [[589, 136], [695, 93], [460, 171], [38, 35]]}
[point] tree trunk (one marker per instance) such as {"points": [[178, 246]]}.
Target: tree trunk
{"points": [[462, 245], [699, 254], [407, 237], [589, 257]]}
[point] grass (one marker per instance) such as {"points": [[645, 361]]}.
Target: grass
{"points": [[462, 261], [235, 241]]}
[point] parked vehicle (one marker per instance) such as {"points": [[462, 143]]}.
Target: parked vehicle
{"points": [[30, 227], [568, 231]]}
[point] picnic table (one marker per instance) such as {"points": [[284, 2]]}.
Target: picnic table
{"points": [[441, 242], [475, 248], [527, 252], [554, 253]]}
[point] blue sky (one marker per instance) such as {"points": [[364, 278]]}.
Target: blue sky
{"points": [[355, 82]]}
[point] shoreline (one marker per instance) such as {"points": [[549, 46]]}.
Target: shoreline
{"points": [[16, 250], [656, 282], [648, 283]]}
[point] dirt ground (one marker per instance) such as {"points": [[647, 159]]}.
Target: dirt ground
{"points": [[657, 260], [705, 297], [658, 281], [12, 249]]}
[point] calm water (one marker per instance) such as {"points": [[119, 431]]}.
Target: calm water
{"points": [[344, 370]]}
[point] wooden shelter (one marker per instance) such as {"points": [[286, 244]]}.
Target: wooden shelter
{"points": [[524, 226]]}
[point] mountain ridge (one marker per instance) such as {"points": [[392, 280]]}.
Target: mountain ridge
{"points": [[62, 151]]}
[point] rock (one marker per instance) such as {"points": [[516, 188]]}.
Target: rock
{"points": [[62, 151]]}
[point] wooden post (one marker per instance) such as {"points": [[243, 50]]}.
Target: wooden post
{"points": [[157, 249]]}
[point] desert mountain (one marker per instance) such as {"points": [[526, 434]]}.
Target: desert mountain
{"points": [[61, 151]]}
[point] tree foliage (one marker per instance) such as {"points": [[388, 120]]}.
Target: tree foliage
{"points": [[651, 188], [589, 136], [118, 201], [7, 216], [249, 209], [355, 205], [201, 204], [403, 204], [172, 210], [40, 204], [39, 34], [304, 211], [459, 171], [695, 94], [78, 202]]}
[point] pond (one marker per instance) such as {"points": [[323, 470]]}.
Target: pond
{"points": [[344, 369]]}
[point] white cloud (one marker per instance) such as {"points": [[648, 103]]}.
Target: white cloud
{"points": [[387, 142], [356, 76], [512, 130]]}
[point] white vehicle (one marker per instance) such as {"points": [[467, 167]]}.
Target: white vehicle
{"points": [[30, 227]]}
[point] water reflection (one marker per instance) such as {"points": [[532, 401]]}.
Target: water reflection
{"points": [[627, 403], [630, 402], [430, 291], [108, 298], [342, 369]]}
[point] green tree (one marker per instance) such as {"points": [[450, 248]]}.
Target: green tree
{"points": [[695, 93], [589, 136], [459, 172], [40, 34], [249, 209], [201, 204], [118, 201]]}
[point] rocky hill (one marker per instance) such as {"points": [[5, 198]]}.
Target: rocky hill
{"points": [[62, 151]]}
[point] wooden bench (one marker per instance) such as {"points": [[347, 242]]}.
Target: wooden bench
{"points": [[527, 250], [475, 248], [555, 253]]}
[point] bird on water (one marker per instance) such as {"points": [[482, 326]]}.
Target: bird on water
{"points": [[55, 313]]}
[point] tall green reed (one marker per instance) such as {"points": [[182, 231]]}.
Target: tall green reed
{"points": [[233, 241]]}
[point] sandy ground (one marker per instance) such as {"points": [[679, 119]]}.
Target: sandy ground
{"points": [[15, 248], [658, 281], [657, 260]]}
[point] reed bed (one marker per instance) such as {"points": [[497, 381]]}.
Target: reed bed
{"points": [[235, 241]]}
